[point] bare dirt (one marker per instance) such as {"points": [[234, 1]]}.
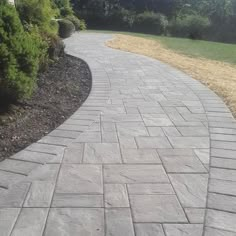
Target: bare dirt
{"points": [[60, 92]]}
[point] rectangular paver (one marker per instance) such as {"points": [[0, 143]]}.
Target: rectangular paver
{"points": [[157, 208], [75, 221], [77, 200], [102, 153], [153, 142], [134, 174], [140, 156], [83, 179]]}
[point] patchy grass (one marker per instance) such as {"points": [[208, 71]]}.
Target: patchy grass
{"points": [[194, 48], [217, 75]]}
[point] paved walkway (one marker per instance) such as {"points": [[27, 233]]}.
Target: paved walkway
{"points": [[133, 160]]}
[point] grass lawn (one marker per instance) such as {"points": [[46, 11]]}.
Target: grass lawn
{"points": [[193, 48]]}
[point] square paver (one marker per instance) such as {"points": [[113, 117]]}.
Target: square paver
{"points": [[119, 222], [140, 156], [195, 215], [14, 196], [191, 189], [157, 208], [74, 155], [40, 194], [75, 221], [134, 174], [116, 195], [31, 221], [8, 217], [83, 179], [102, 153]]}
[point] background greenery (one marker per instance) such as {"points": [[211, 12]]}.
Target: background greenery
{"points": [[202, 19]]}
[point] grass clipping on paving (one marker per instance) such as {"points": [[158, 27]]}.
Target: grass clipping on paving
{"points": [[218, 76]]}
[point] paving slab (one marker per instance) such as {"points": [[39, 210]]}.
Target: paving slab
{"points": [[132, 160], [135, 174], [119, 222], [83, 179], [157, 208], [116, 195], [183, 229], [149, 229], [8, 217], [75, 221], [31, 221]]}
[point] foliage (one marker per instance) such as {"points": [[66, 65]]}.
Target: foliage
{"points": [[83, 25], [105, 14], [75, 21], [39, 13], [66, 28], [20, 55], [150, 22], [191, 26], [120, 19], [64, 7]]}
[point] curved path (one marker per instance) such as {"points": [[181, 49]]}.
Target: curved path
{"points": [[133, 160]]}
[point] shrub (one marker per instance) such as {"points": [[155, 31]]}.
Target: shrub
{"points": [[75, 21], [121, 19], [20, 55], [191, 26], [150, 22], [64, 7], [39, 13], [66, 28], [83, 25]]}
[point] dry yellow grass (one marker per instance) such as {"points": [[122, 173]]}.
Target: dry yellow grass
{"points": [[218, 76]]}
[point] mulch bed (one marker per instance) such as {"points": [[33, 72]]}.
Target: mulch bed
{"points": [[61, 91]]}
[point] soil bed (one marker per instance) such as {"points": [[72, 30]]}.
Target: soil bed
{"points": [[61, 91]]}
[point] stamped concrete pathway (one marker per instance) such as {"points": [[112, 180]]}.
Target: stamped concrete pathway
{"points": [[133, 160]]}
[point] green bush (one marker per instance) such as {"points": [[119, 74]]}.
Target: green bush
{"points": [[150, 22], [66, 28], [83, 25], [191, 26], [64, 7], [121, 19], [75, 21], [20, 55], [39, 13]]}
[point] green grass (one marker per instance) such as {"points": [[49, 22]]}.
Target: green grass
{"points": [[193, 48]]}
